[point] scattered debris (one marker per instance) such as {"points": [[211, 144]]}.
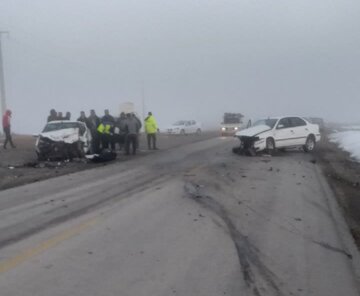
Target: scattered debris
{"points": [[297, 219], [103, 156], [313, 161], [270, 169]]}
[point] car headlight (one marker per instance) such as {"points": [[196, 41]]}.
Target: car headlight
{"points": [[236, 128], [223, 129]]}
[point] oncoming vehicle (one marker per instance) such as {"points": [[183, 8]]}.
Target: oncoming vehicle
{"points": [[232, 123], [279, 132], [183, 127], [63, 140]]}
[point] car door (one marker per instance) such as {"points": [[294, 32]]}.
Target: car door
{"points": [[193, 126], [283, 134], [187, 127], [300, 131]]}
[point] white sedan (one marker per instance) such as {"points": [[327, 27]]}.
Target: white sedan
{"points": [[279, 132], [63, 140], [184, 127]]}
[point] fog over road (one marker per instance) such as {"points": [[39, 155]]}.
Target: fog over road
{"points": [[192, 220]]}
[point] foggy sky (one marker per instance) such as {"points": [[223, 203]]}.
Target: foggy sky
{"points": [[195, 58]]}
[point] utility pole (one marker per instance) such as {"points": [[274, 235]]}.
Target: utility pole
{"points": [[143, 99], [2, 79]]}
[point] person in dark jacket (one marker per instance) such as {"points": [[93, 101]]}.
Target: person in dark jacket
{"points": [[94, 122], [108, 139], [52, 116], [60, 116], [84, 119], [120, 131], [107, 118], [132, 128], [68, 115], [6, 122], [139, 128]]}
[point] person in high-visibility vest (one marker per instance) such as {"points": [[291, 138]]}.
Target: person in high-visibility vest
{"points": [[151, 128], [104, 129]]}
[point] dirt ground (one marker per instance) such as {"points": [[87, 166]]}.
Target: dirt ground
{"points": [[343, 174], [20, 166]]}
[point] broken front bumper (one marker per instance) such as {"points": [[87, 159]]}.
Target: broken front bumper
{"points": [[250, 145], [47, 149]]}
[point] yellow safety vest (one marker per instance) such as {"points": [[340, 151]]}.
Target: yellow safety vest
{"points": [[104, 128]]}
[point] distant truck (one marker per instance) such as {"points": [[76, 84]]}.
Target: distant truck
{"points": [[232, 122]]}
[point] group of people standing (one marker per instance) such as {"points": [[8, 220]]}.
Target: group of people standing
{"points": [[108, 131]]}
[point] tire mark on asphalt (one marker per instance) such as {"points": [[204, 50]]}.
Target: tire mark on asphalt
{"points": [[246, 251], [332, 248]]}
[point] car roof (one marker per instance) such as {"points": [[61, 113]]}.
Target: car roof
{"points": [[280, 117], [67, 121]]}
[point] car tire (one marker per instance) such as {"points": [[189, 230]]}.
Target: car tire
{"points": [[270, 146], [310, 144]]}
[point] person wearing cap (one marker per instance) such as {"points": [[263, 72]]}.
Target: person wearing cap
{"points": [[7, 128]]}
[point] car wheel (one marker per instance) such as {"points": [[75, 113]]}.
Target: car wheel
{"points": [[270, 146], [198, 131], [310, 144]]}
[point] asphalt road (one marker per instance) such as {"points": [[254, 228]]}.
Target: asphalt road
{"points": [[192, 220]]}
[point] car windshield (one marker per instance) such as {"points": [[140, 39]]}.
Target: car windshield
{"points": [[269, 122], [181, 122], [50, 127]]}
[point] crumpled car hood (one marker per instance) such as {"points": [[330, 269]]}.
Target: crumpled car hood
{"points": [[252, 131], [69, 135]]}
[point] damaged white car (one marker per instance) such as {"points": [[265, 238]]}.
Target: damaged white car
{"points": [[63, 140], [278, 132]]}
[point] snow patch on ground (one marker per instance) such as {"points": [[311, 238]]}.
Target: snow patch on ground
{"points": [[348, 141], [351, 127]]}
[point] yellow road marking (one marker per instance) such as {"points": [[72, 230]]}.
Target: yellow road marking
{"points": [[26, 255]]}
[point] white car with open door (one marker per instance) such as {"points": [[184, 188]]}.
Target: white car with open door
{"points": [[279, 132], [184, 127]]}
